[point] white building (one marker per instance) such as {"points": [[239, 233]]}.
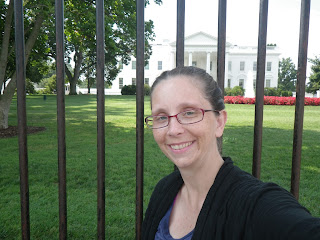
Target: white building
{"points": [[201, 51]]}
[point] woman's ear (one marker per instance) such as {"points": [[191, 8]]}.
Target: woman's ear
{"points": [[221, 122]]}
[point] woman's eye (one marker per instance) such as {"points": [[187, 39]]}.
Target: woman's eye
{"points": [[189, 113], [160, 118]]}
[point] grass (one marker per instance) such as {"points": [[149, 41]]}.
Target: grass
{"points": [[120, 163]]}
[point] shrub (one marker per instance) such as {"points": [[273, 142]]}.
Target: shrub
{"points": [[237, 91], [128, 90], [271, 92], [228, 92], [147, 90], [30, 87]]}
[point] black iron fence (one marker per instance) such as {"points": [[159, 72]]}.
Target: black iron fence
{"points": [[21, 101]]}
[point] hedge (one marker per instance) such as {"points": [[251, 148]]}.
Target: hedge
{"points": [[271, 100]]}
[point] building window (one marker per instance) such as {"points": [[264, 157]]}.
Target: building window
{"points": [[254, 84], [254, 66], [268, 83], [242, 66], [194, 63], [120, 65], [229, 66], [146, 81], [134, 65], [210, 65], [146, 67], [159, 65], [269, 64], [133, 81], [120, 83], [241, 82], [229, 83]]}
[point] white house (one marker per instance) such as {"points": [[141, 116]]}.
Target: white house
{"points": [[201, 51]]}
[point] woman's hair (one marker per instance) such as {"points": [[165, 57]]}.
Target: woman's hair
{"points": [[210, 87]]}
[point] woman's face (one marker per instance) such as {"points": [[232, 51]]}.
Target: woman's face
{"points": [[186, 145]]}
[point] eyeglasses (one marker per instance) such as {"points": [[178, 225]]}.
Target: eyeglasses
{"points": [[186, 117]]}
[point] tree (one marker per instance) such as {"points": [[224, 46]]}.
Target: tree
{"points": [[80, 22], [287, 75], [36, 11], [314, 79], [120, 35]]}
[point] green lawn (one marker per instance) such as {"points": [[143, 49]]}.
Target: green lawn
{"points": [[120, 163]]}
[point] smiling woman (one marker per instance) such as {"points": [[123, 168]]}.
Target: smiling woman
{"points": [[208, 197]]}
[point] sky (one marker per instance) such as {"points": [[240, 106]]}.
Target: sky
{"points": [[242, 22]]}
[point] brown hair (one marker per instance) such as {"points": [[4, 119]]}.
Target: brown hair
{"points": [[210, 87]]}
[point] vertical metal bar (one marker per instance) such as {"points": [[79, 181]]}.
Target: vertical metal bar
{"points": [[100, 32], [61, 119], [22, 118], [180, 33], [139, 117], [261, 63], [221, 54], [300, 89]]}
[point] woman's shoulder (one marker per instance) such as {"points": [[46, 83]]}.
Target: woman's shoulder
{"points": [[169, 182]]}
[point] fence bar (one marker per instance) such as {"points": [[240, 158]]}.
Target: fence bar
{"points": [[61, 120], [261, 63], [221, 54], [22, 118], [300, 94], [180, 33], [139, 117], [100, 32]]}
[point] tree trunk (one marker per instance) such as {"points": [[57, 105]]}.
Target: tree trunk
{"points": [[5, 102], [78, 58], [5, 43], [6, 98]]}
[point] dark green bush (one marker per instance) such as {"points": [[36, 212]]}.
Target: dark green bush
{"points": [[271, 92], [128, 90]]}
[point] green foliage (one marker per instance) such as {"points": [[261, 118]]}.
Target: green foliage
{"points": [[287, 75], [236, 91], [30, 87], [49, 85], [314, 80], [147, 90], [271, 92], [128, 90], [228, 91]]}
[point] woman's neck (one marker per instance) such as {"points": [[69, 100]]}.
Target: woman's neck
{"points": [[198, 181]]}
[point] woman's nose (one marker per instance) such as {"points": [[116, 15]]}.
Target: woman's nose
{"points": [[174, 127]]}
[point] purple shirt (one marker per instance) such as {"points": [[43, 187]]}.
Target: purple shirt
{"points": [[163, 229]]}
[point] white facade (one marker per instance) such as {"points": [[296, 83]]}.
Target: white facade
{"points": [[201, 51]]}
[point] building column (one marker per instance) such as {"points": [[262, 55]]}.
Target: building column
{"points": [[208, 62], [190, 59]]}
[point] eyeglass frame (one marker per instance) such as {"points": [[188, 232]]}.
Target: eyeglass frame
{"points": [[176, 116]]}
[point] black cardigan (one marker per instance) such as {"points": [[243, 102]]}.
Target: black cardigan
{"points": [[237, 206]]}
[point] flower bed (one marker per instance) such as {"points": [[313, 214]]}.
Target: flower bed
{"points": [[271, 100]]}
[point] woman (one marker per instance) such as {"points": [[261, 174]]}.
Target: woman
{"points": [[209, 197]]}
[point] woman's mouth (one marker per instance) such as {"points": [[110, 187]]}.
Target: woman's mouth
{"points": [[180, 146]]}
